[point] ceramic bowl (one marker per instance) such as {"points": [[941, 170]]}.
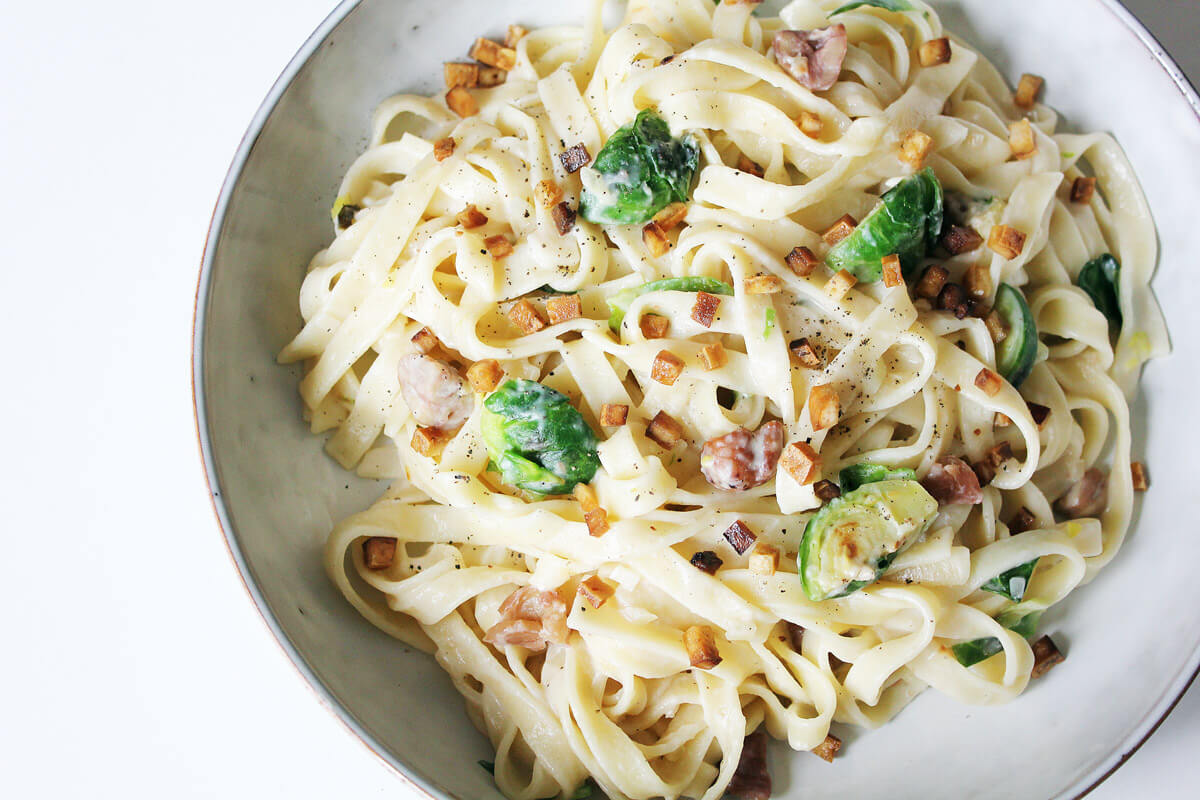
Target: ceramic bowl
{"points": [[1133, 635]]}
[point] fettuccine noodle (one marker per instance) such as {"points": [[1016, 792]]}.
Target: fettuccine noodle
{"points": [[619, 701]]}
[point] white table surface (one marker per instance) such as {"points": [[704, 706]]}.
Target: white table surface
{"points": [[132, 662]]}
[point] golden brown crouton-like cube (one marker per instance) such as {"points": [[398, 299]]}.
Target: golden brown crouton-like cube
{"points": [[575, 157], [746, 165], [460, 74], [613, 415], [491, 76], [443, 148], [701, 647], [1045, 657], [667, 367], [996, 327], [990, 382], [810, 124], [471, 217], [485, 375], [764, 560], [714, 356], [840, 230], [915, 148], [893, 275], [379, 552], [665, 430], [1027, 91], [933, 280], [427, 441], [461, 102], [1001, 420], [704, 310], [564, 218], [595, 590], [1039, 414], [498, 246], [1082, 190], [595, 516], [494, 54], [841, 283], [1140, 482], [1021, 139], [826, 491], [801, 462], [425, 341], [671, 216], [1005, 241], [802, 261], [526, 317], [806, 354], [935, 52], [829, 748], [740, 537], [763, 284], [597, 522], [655, 239], [824, 407], [978, 280], [586, 497], [547, 193], [515, 34], [959, 240], [654, 326], [564, 308]]}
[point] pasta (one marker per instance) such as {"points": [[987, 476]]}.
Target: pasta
{"points": [[716, 411]]}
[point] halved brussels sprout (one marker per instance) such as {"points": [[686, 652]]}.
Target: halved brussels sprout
{"points": [[854, 538], [906, 223], [1016, 354], [537, 440]]}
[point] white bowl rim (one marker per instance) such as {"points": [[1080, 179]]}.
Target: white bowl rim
{"points": [[1100, 772]]}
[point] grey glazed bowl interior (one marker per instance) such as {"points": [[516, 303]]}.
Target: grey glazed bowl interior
{"points": [[1133, 636]]}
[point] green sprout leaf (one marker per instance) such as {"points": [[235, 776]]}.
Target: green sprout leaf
{"points": [[770, 316], [639, 171], [1100, 278], [856, 475], [619, 303], [886, 5], [1012, 583]]}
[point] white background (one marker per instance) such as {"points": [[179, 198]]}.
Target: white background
{"points": [[132, 663]]}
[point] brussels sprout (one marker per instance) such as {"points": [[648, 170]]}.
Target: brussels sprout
{"points": [[1100, 278], [854, 538], [1013, 583], [852, 477], [619, 303], [906, 223], [639, 171], [538, 441], [1016, 354], [972, 652], [886, 5]]}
